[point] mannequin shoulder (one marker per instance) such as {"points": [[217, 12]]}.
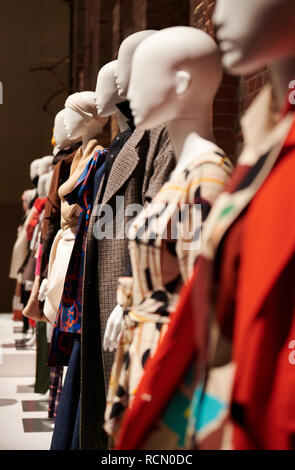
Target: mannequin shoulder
{"points": [[207, 166]]}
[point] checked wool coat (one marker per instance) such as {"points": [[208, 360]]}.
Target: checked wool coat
{"points": [[139, 171]]}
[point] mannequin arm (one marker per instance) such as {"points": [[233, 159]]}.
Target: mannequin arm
{"points": [[115, 323], [114, 329], [43, 290]]}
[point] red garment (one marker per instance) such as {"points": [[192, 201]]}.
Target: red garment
{"points": [[164, 371], [38, 207], [264, 318], [256, 305], [32, 323], [17, 306]]}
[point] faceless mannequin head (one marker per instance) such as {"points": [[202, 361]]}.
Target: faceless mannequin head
{"points": [[125, 56], [34, 169], [179, 69], [59, 134], [106, 92], [45, 165], [81, 118], [253, 33], [27, 197]]}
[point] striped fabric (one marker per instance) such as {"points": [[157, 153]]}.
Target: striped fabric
{"points": [[164, 241]]}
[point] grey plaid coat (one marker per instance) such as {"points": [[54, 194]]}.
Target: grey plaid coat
{"points": [[141, 168]]}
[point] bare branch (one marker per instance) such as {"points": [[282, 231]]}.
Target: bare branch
{"points": [[52, 96]]}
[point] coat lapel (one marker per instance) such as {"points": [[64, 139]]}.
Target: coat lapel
{"points": [[123, 166], [229, 206], [269, 238]]}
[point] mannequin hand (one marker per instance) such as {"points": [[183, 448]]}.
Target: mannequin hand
{"points": [[114, 329], [43, 290], [28, 286]]}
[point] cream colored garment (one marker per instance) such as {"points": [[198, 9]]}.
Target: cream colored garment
{"points": [[20, 249], [62, 246], [58, 264]]}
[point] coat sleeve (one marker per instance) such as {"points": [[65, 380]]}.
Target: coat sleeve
{"points": [[160, 164]]}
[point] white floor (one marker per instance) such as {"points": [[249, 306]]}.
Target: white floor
{"points": [[17, 377]]}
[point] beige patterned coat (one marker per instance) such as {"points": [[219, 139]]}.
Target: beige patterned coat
{"points": [[139, 171]]}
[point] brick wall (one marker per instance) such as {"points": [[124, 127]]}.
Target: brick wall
{"points": [[226, 116], [226, 105], [102, 25], [201, 13], [250, 86]]}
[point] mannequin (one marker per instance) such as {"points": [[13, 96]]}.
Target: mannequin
{"points": [[245, 286], [252, 34], [34, 171], [31, 309], [136, 175], [106, 94], [180, 70], [61, 143], [122, 70], [38, 167], [44, 174], [44, 166], [175, 97], [81, 122], [107, 98], [187, 112], [107, 103], [27, 197], [44, 184], [125, 55], [59, 133], [81, 119]]}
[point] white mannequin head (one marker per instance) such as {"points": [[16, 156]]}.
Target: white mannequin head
{"points": [[253, 33], [125, 56], [34, 169], [59, 132], [180, 71], [45, 165], [81, 118], [106, 92], [27, 196]]}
